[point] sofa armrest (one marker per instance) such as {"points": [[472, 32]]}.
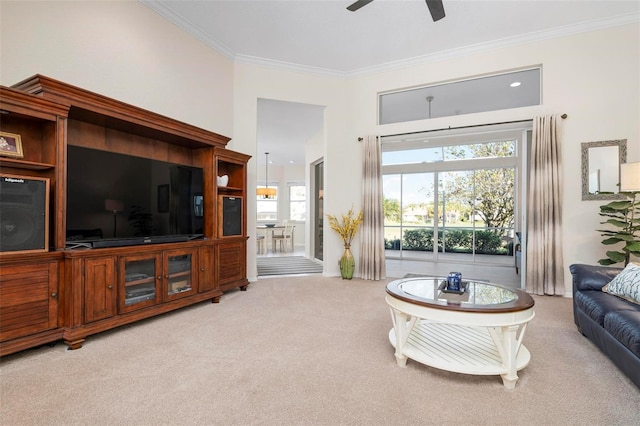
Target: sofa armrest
{"points": [[592, 277]]}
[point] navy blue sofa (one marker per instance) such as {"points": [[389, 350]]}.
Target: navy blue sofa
{"points": [[610, 322]]}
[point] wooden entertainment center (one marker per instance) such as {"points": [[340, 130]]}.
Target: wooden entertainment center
{"points": [[56, 292]]}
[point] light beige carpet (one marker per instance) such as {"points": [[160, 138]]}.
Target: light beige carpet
{"points": [[304, 351]]}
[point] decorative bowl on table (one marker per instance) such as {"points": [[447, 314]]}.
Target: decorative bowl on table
{"points": [[269, 225]]}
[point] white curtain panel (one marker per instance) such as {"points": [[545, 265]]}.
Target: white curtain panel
{"points": [[544, 230], [372, 261]]}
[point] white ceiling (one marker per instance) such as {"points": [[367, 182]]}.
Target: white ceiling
{"points": [[283, 128], [324, 37]]}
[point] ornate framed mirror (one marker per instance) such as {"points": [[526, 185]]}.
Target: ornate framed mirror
{"points": [[601, 169]]}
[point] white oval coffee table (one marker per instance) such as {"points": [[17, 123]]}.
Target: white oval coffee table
{"points": [[479, 331]]}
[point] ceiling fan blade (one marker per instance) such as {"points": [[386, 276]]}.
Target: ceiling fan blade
{"points": [[436, 8], [357, 5]]}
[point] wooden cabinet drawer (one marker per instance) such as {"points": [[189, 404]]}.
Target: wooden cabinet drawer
{"points": [[28, 299]]}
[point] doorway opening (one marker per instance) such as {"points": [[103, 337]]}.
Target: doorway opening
{"points": [[291, 133]]}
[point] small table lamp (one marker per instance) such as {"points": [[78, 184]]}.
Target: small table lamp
{"points": [[114, 206], [630, 177]]}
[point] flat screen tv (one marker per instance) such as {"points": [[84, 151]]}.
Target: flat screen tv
{"points": [[115, 199]]}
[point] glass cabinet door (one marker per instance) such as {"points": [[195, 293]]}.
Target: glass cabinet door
{"points": [[139, 281], [178, 278]]}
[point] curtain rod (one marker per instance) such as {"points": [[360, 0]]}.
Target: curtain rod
{"points": [[563, 116]]}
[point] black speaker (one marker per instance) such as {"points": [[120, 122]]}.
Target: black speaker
{"points": [[24, 217], [231, 220]]}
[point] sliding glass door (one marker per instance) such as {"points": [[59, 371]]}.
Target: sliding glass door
{"points": [[409, 205], [477, 215], [452, 201]]}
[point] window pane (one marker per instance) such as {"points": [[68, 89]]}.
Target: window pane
{"points": [[297, 193], [298, 211], [481, 150], [410, 156], [417, 198], [391, 199], [297, 202], [490, 93], [267, 208], [393, 154]]}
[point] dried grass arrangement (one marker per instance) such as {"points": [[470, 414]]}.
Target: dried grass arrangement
{"points": [[347, 225]]}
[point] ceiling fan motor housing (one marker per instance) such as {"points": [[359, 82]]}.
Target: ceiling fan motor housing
{"points": [[436, 8]]}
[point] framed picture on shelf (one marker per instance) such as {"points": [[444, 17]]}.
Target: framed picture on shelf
{"points": [[10, 145]]}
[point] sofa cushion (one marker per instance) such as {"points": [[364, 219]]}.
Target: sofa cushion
{"points": [[625, 326], [596, 304], [626, 284]]}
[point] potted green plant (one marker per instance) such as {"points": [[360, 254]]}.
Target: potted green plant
{"points": [[624, 217], [346, 227]]}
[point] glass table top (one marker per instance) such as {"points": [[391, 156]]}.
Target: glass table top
{"points": [[477, 295]]}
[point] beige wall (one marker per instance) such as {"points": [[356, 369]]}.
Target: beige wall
{"points": [[126, 51], [340, 147], [593, 77], [120, 49]]}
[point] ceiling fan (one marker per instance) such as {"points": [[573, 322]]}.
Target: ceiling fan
{"points": [[435, 7]]}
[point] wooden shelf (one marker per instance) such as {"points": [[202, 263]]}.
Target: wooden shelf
{"points": [[229, 189], [140, 282], [23, 164]]}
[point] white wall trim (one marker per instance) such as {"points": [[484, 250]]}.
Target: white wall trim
{"points": [[502, 43], [187, 26]]}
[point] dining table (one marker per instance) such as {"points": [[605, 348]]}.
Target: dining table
{"points": [[268, 232]]}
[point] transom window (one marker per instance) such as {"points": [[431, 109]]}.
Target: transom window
{"points": [[410, 155], [488, 93]]}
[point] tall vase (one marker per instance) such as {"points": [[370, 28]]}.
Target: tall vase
{"points": [[347, 263]]}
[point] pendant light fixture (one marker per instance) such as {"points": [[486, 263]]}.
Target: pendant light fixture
{"points": [[266, 192], [429, 99]]}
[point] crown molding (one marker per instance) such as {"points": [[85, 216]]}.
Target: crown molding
{"points": [[187, 26], [564, 31], [288, 66]]}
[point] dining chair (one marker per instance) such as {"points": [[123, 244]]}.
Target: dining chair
{"points": [[279, 231], [283, 238], [261, 245]]}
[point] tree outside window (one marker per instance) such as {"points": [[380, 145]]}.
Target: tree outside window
{"points": [[488, 192], [475, 208]]}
